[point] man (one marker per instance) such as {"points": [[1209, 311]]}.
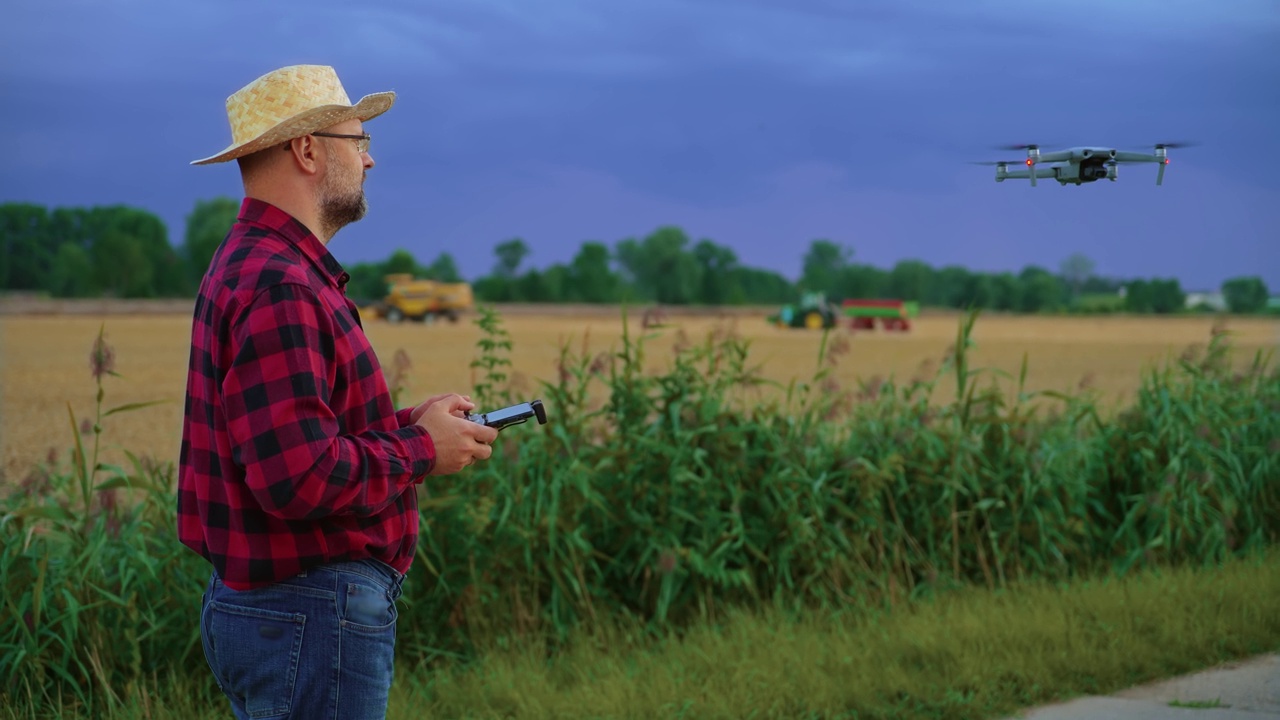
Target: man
{"points": [[297, 475]]}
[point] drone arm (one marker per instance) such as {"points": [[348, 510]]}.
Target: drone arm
{"points": [[1031, 173], [1136, 157], [1051, 157]]}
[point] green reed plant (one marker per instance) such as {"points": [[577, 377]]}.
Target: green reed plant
{"points": [[91, 584], [1194, 464], [675, 499]]}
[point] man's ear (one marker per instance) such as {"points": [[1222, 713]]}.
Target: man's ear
{"points": [[305, 152]]}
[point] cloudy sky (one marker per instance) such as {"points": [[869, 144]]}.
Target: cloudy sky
{"points": [[758, 124]]}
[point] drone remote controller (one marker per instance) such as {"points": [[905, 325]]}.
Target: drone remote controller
{"points": [[513, 415]]}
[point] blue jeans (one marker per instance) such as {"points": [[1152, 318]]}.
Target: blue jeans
{"points": [[318, 645]]}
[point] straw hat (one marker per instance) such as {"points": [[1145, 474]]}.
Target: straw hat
{"points": [[289, 103]]}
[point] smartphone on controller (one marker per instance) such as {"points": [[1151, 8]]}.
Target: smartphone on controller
{"points": [[512, 415]]}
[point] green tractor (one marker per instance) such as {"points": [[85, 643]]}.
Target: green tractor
{"points": [[813, 312]]}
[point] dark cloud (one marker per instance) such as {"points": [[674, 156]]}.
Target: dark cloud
{"points": [[762, 124]]}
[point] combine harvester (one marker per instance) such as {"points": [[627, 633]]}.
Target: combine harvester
{"points": [[894, 315], [423, 300]]}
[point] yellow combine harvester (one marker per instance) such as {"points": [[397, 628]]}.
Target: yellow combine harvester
{"points": [[423, 300]]}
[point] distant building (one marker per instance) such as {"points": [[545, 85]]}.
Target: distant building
{"points": [[1211, 300]]}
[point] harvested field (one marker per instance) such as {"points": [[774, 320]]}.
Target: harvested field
{"points": [[44, 359]]}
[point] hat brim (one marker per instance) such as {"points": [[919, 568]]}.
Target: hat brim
{"points": [[369, 107]]}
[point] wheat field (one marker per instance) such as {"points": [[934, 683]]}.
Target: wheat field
{"points": [[44, 360]]}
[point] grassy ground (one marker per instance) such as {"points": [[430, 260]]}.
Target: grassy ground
{"points": [[970, 654]]}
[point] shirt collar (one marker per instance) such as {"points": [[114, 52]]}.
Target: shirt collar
{"points": [[269, 217]]}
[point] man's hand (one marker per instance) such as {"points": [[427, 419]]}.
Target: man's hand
{"points": [[417, 411], [458, 441]]}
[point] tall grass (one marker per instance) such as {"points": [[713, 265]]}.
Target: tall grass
{"points": [[689, 492], [96, 591]]}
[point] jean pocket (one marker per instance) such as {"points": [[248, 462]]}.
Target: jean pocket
{"points": [[256, 655], [367, 608]]}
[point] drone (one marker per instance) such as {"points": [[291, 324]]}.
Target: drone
{"points": [[1079, 165]]}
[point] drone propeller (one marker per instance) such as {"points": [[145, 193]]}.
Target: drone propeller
{"points": [[1033, 154], [1162, 152]]}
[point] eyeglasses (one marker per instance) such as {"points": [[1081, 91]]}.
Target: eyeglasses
{"points": [[362, 141]]}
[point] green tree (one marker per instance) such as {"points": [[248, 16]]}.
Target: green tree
{"points": [[1245, 294], [207, 226], [530, 287], [443, 268], [367, 283], [121, 266], [1076, 270], [510, 254], [1137, 296], [858, 280], [1006, 291], [1041, 290], [502, 285], [167, 269], [909, 280], [763, 286], [1167, 296], [822, 266], [715, 265], [660, 266], [541, 286], [979, 291], [72, 272], [1100, 285], [948, 286], [590, 278], [402, 262], [26, 246]]}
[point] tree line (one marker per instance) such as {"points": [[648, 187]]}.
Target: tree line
{"points": [[123, 251]]}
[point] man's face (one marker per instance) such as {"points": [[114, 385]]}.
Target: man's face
{"points": [[341, 193]]}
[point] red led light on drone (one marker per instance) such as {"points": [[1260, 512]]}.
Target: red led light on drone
{"points": [[1030, 162]]}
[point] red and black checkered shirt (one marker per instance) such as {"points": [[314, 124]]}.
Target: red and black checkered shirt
{"points": [[292, 454]]}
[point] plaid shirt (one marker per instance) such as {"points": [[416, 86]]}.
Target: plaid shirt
{"points": [[292, 454]]}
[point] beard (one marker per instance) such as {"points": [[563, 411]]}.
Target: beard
{"points": [[342, 202]]}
